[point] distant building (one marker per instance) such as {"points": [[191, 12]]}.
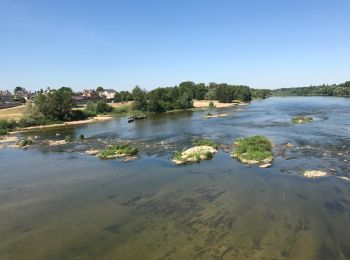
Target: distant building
{"points": [[108, 94], [90, 94], [79, 100], [5, 97]]}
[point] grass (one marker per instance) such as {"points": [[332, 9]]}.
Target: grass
{"points": [[255, 148], [301, 119], [14, 113], [115, 150], [206, 142]]}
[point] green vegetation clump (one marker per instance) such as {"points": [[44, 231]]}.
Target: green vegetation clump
{"points": [[121, 111], [99, 107], [68, 139], [301, 119], [3, 132], [112, 151], [206, 142], [81, 137], [7, 125], [211, 105], [253, 150], [25, 142]]}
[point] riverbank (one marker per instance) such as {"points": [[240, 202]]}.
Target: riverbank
{"points": [[69, 123], [217, 104]]}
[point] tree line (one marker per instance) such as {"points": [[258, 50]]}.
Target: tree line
{"points": [[181, 97], [340, 90]]}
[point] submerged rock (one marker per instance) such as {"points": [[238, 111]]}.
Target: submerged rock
{"points": [[59, 142], [92, 152], [266, 165], [195, 154], [314, 174]]}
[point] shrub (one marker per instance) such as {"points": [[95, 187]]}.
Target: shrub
{"points": [[27, 122], [255, 148], [115, 150], [211, 105], [178, 156], [206, 142], [25, 142], [76, 115], [301, 119], [81, 137], [68, 138], [7, 124], [3, 132], [90, 113]]}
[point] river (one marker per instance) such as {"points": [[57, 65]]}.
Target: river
{"points": [[58, 203]]}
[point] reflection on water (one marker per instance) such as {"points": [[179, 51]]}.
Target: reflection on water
{"points": [[59, 205]]}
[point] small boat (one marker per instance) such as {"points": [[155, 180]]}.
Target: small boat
{"points": [[133, 118]]}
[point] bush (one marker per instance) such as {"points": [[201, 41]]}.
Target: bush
{"points": [[255, 148], [68, 138], [76, 115], [3, 132], [27, 122], [211, 105], [25, 142], [202, 142], [81, 137], [8, 124], [90, 113], [301, 119], [100, 107], [115, 150]]}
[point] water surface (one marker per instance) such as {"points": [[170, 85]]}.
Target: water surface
{"points": [[57, 203]]}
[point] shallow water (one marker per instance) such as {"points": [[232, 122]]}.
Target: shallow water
{"points": [[56, 203]]}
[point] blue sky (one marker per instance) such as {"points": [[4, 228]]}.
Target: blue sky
{"points": [[120, 44]]}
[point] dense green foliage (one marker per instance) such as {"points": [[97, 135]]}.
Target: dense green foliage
{"points": [[341, 90], [7, 125], [25, 142], [301, 119], [181, 97], [255, 148], [55, 104], [99, 107], [227, 93], [115, 150], [123, 96], [260, 93], [206, 142]]}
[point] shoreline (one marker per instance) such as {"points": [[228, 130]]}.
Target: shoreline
{"points": [[217, 104], [69, 123]]}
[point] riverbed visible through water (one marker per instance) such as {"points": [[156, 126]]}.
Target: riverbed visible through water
{"points": [[58, 203]]}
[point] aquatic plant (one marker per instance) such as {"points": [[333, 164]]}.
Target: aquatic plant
{"points": [[254, 150], [301, 119], [68, 138], [202, 142], [112, 151], [81, 137], [25, 142]]}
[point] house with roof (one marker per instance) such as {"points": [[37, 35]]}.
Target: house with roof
{"points": [[108, 94]]}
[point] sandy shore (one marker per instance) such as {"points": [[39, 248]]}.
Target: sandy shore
{"points": [[217, 104], [70, 123]]}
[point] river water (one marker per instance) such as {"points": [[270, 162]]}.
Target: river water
{"points": [[58, 203]]}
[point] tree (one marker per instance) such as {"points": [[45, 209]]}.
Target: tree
{"points": [[140, 99], [19, 89], [99, 89], [56, 104]]}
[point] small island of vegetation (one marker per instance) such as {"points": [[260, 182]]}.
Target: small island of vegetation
{"points": [[254, 150], [204, 149], [114, 151], [301, 119]]}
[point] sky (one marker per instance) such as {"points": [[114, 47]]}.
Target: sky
{"points": [[120, 44]]}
